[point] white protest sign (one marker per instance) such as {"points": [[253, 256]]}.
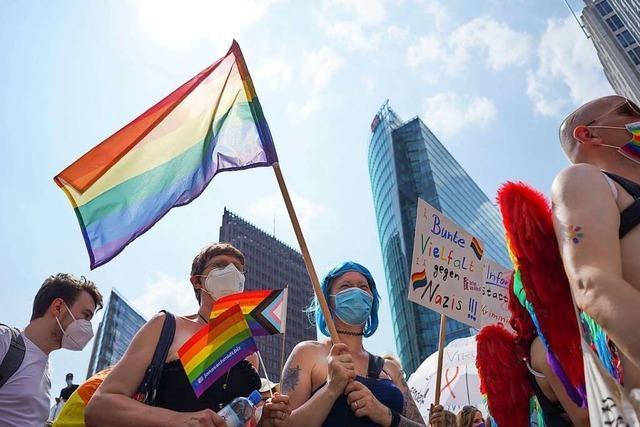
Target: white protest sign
{"points": [[446, 269], [495, 294]]}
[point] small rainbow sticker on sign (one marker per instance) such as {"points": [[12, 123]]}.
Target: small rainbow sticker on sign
{"points": [[477, 248], [419, 279]]}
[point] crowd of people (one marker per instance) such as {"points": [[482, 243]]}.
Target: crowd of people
{"points": [[342, 384]]}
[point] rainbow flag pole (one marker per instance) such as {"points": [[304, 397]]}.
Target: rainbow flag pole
{"points": [[168, 155]]}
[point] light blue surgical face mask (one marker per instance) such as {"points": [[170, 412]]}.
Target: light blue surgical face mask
{"points": [[353, 306]]}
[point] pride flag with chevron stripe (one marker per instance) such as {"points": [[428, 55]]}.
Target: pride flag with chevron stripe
{"points": [[265, 310]]}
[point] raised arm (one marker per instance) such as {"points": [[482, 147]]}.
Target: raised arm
{"points": [[586, 221], [112, 404], [307, 410]]}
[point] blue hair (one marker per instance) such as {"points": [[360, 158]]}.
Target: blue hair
{"points": [[371, 324]]}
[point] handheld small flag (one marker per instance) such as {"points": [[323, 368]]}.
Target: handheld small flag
{"points": [[264, 310], [167, 156], [216, 348]]}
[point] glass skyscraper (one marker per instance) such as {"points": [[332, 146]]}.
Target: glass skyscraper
{"points": [[406, 161], [117, 328], [272, 264], [614, 29]]}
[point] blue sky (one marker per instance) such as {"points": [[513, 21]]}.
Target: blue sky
{"points": [[491, 78]]}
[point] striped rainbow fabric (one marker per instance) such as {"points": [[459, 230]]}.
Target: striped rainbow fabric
{"points": [[265, 309], [167, 156], [632, 148], [216, 348]]}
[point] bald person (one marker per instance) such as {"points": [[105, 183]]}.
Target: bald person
{"points": [[596, 209]]}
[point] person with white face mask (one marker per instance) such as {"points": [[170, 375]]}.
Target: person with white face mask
{"points": [[217, 271], [343, 384], [596, 213], [61, 318]]}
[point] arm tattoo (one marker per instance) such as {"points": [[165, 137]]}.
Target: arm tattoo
{"points": [[410, 413], [574, 233], [290, 379]]}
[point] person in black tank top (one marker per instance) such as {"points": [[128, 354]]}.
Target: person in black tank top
{"points": [[596, 223], [343, 384], [216, 271]]}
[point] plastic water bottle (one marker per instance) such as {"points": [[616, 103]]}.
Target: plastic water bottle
{"points": [[241, 409]]}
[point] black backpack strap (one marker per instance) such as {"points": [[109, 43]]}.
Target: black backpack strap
{"points": [[630, 217], [151, 379], [14, 357], [376, 363]]}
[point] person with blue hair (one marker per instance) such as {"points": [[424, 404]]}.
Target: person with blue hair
{"points": [[343, 384]]}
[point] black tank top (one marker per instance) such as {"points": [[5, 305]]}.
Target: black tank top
{"points": [[384, 390], [175, 391], [630, 217]]}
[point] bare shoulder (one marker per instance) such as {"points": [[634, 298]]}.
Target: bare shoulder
{"points": [[576, 179], [538, 355], [310, 348], [152, 328]]}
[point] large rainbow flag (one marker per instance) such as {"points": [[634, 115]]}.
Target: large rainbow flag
{"points": [[264, 310], [167, 156], [216, 348]]}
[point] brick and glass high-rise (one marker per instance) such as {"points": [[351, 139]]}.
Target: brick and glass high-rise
{"points": [[272, 264]]}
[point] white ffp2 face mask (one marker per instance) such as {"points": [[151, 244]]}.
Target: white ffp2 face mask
{"points": [[78, 333], [224, 281]]}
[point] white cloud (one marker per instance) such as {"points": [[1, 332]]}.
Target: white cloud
{"points": [[369, 82], [479, 38], [320, 67], [368, 12], [351, 22], [165, 292], [502, 45], [275, 73], [448, 113], [427, 48], [179, 24], [318, 71], [352, 34], [270, 210], [567, 62], [398, 33], [437, 11]]}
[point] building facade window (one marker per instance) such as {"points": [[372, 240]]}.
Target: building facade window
{"points": [[626, 39], [604, 8], [635, 55], [614, 23]]}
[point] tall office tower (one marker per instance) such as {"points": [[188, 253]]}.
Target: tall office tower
{"points": [[118, 326], [272, 264], [406, 161], [614, 29]]}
